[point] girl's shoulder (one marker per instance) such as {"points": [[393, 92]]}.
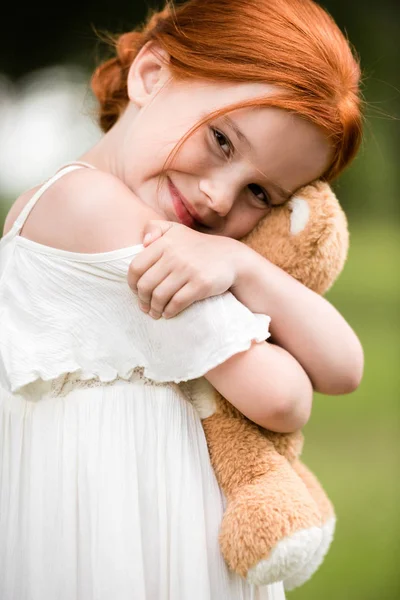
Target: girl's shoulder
{"points": [[17, 207], [86, 210]]}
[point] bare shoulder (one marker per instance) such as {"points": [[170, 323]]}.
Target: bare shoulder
{"points": [[86, 210], [16, 208]]}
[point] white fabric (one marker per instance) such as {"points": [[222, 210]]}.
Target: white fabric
{"points": [[106, 489], [86, 317]]}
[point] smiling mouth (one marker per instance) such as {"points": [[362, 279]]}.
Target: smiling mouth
{"points": [[182, 209]]}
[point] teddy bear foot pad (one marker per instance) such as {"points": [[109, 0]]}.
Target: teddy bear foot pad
{"points": [[304, 574], [288, 557]]}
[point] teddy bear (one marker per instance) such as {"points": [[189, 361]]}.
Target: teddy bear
{"points": [[278, 522]]}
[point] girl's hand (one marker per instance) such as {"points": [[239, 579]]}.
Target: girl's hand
{"points": [[180, 266]]}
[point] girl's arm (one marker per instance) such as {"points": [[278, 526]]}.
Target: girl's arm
{"points": [[89, 211], [267, 385], [303, 323]]}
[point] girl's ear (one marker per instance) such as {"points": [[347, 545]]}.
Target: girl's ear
{"points": [[148, 73]]}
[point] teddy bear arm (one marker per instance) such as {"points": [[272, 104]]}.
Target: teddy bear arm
{"points": [[239, 454]]}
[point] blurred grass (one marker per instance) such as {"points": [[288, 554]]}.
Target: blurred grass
{"points": [[352, 440]]}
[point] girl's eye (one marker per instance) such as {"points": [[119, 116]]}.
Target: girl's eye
{"points": [[223, 142], [260, 193]]}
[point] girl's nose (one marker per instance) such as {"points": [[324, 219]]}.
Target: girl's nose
{"points": [[220, 195]]}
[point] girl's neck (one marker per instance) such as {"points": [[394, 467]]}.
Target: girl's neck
{"points": [[104, 155]]}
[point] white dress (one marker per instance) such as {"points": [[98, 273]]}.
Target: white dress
{"points": [[106, 488]]}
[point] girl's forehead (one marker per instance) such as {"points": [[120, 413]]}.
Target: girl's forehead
{"points": [[272, 139], [276, 141], [224, 91]]}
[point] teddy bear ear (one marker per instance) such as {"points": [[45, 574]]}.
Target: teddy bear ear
{"points": [[319, 231], [307, 236], [299, 213]]}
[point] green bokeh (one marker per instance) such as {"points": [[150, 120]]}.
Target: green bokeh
{"points": [[352, 440]]}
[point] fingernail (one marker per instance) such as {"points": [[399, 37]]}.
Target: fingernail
{"points": [[147, 238], [144, 307]]}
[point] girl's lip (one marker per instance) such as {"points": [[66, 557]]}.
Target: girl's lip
{"points": [[180, 209]]}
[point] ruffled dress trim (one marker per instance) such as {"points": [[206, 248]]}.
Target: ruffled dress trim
{"points": [[61, 316]]}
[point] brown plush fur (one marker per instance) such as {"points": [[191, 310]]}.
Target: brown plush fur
{"points": [[254, 478], [270, 493], [316, 255]]}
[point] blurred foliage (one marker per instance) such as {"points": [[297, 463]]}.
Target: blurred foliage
{"points": [[351, 441]]}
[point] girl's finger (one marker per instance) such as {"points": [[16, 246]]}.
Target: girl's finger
{"points": [[153, 278], [155, 230], [184, 297], [149, 238], [150, 281], [141, 263], [164, 293]]}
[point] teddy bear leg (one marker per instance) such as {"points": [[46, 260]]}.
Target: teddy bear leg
{"points": [[271, 526], [328, 527]]}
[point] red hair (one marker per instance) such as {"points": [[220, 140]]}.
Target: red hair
{"points": [[292, 44]]}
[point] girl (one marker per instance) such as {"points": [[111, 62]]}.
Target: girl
{"points": [[213, 114]]}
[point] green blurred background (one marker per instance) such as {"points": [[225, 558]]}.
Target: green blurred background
{"points": [[351, 441]]}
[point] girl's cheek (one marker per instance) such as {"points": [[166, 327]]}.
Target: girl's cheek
{"points": [[195, 155]]}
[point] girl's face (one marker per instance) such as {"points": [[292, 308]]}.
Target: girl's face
{"points": [[231, 172]]}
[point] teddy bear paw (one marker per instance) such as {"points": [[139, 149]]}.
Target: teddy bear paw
{"points": [[304, 574], [289, 556]]}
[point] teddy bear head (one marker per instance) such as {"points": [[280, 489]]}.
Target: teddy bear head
{"points": [[307, 237]]}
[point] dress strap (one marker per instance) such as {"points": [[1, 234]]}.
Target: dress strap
{"points": [[24, 214]]}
